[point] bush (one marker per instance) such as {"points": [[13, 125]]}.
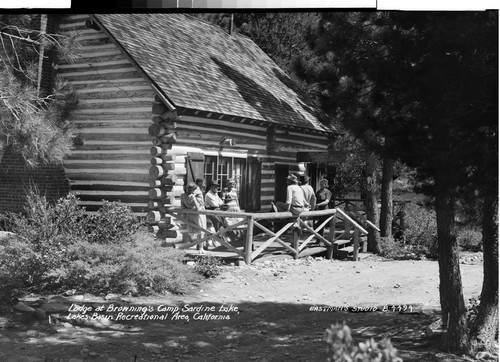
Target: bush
{"points": [[421, 230], [342, 349], [19, 268], [112, 223], [208, 266], [58, 248], [137, 267], [46, 225], [470, 239], [393, 249]]}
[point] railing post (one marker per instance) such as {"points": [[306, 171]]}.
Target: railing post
{"points": [[355, 245], [331, 236], [249, 241], [295, 238]]}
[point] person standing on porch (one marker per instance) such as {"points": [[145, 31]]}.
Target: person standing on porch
{"points": [[214, 202], [231, 196], [309, 194], [323, 197], [201, 186], [190, 200], [295, 200]]}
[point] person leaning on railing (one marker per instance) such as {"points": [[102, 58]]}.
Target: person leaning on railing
{"points": [[295, 200]]}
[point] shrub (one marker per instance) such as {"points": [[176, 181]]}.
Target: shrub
{"points": [[47, 225], [208, 266], [342, 349], [470, 239], [136, 267], [58, 248], [112, 223], [19, 268], [393, 249], [421, 229]]}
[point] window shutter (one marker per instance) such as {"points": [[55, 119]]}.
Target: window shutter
{"points": [[195, 166], [252, 194]]}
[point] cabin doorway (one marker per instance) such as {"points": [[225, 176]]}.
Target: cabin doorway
{"points": [[280, 173]]}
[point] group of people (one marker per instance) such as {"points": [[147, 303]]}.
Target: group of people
{"points": [[300, 197], [199, 197]]}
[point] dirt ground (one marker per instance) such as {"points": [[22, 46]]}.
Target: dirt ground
{"points": [[262, 312]]}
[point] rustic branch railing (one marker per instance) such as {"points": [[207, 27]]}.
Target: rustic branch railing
{"points": [[249, 221]]}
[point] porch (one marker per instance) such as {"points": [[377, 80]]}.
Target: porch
{"points": [[256, 235]]}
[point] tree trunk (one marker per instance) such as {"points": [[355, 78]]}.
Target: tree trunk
{"points": [[386, 198], [453, 311], [370, 188], [485, 328]]}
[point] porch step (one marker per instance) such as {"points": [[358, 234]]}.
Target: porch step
{"points": [[342, 242], [345, 252]]}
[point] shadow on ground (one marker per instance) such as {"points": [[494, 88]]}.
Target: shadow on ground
{"points": [[255, 332]]}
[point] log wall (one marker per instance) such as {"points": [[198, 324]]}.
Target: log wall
{"points": [[132, 148], [111, 158]]}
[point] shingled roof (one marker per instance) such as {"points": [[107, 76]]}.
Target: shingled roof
{"points": [[200, 66]]}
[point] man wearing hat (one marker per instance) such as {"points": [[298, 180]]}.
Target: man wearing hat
{"points": [[213, 202], [295, 200]]}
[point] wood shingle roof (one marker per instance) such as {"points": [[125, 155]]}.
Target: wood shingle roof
{"points": [[200, 66]]}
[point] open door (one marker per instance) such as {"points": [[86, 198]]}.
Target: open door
{"points": [[253, 181], [281, 173]]}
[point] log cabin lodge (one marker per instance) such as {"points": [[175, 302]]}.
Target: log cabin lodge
{"points": [[164, 99]]}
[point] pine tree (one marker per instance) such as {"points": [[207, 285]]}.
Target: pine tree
{"points": [[426, 86], [33, 119]]}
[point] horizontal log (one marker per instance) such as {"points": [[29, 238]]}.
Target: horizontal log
{"points": [[168, 122], [155, 183], [97, 206], [111, 187], [122, 137], [122, 166], [160, 193], [138, 156], [166, 234], [256, 215], [156, 130], [155, 151], [160, 142], [168, 157], [156, 161], [156, 171], [165, 224], [159, 108], [160, 129], [160, 149], [109, 176], [153, 229], [152, 204], [168, 115], [124, 198], [169, 179], [154, 216], [169, 138]]}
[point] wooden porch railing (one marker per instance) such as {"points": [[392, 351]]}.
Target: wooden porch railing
{"points": [[398, 211], [247, 222]]}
